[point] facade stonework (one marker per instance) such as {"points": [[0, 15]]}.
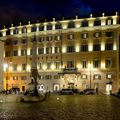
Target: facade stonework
{"points": [[76, 54]]}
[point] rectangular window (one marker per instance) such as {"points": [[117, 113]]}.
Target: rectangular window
{"points": [[97, 77], [48, 65], [84, 35], [97, 34], [96, 47], [84, 63], [15, 77], [23, 52], [15, 52], [7, 53], [24, 41], [24, 67], [109, 76], [58, 37], [56, 77], [23, 77], [84, 76], [109, 34], [49, 38], [49, 50], [15, 42], [48, 77], [57, 49], [70, 64], [57, 64], [70, 36], [108, 46], [96, 63], [70, 49], [14, 67], [40, 51], [41, 39], [84, 48], [108, 63]]}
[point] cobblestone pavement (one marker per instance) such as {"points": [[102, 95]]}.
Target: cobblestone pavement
{"points": [[64, 107]]}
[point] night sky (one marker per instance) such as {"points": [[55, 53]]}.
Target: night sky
{"points": [[15, 11]]}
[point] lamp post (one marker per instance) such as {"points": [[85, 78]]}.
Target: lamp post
{"points": [[6, 68], [90, 74]]}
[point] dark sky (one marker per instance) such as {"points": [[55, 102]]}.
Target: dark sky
{"points": [[14, 11]]}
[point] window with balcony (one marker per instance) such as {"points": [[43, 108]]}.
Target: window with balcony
{"points": [[70, 49], [40, 51], [84, 63], [96, 63], [96, 47], [108, 46], [23, 52], [108, 63], [84, 48], [48, 50], [15, 52]]}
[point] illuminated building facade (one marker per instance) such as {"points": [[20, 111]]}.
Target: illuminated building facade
{"points": [[77, 53]]}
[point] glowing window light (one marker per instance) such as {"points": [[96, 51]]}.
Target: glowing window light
{"points": [[63, 49]]}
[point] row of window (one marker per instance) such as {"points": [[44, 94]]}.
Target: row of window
{"points": [[83, 48], [59, 37], [69, 64], [16, 78], [58, 25]]}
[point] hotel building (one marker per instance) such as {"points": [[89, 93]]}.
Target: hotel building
{"points": [[76, 53]]}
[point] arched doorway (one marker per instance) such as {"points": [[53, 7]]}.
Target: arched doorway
{"points": [[108, 88]]}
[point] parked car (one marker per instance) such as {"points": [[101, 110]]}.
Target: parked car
{"points": [[88, 92], [66, 92]]}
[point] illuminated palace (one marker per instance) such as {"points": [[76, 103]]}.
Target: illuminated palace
{"points": [[76, 53]]}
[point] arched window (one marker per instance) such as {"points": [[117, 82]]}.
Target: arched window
{"points": [[15, 31], [97, 22], [58, 26], [33, 28], [84, 23], [24, 30], [41, 27], [109, 21], [49, 26], [71, 24]]}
